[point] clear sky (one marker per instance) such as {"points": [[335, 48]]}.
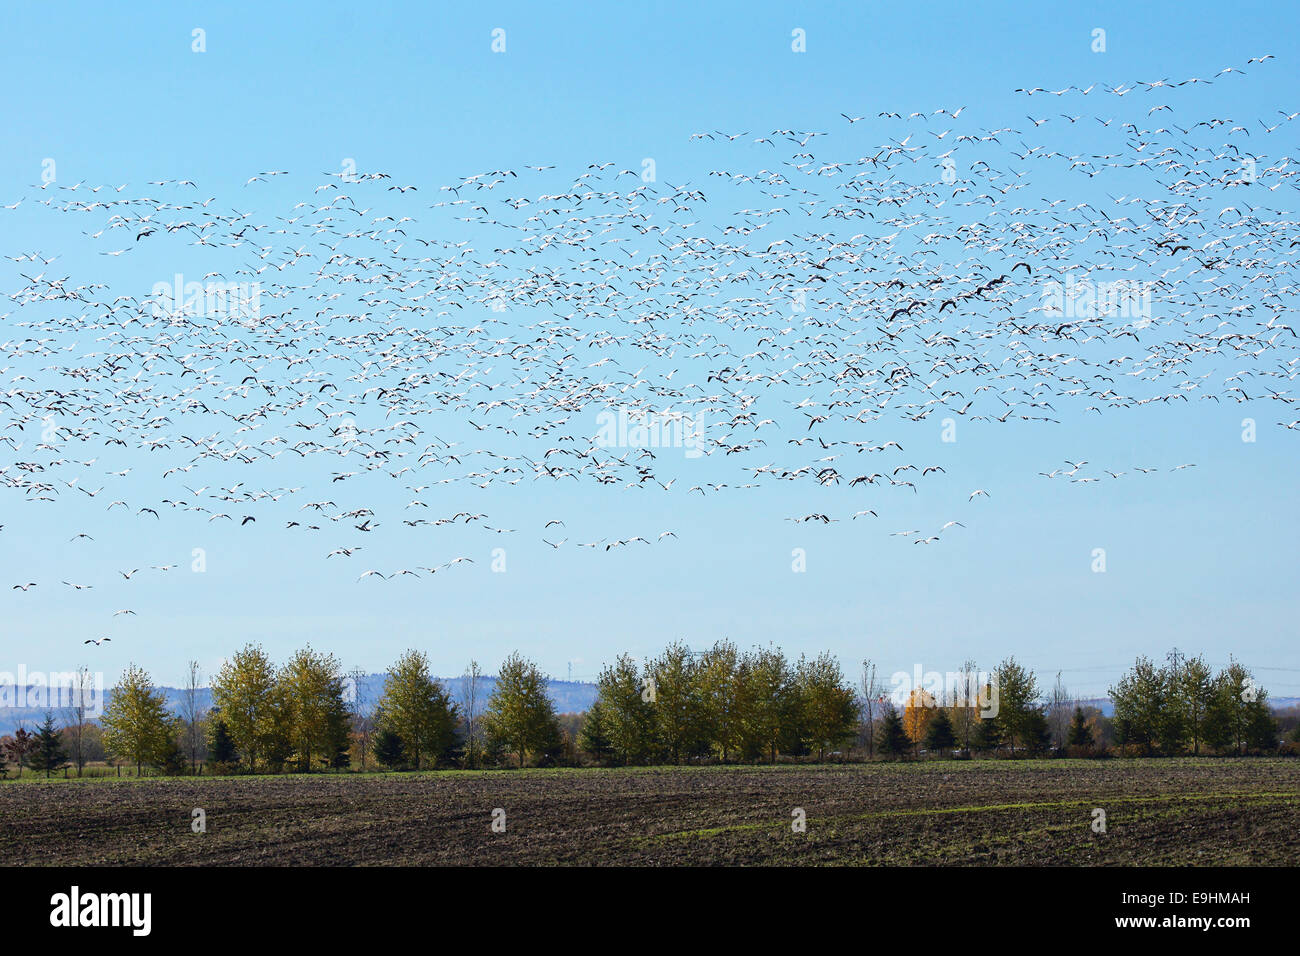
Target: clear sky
{"points": [[1203, 558]]}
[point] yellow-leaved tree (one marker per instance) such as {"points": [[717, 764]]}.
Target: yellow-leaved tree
{"points": [[243, 692], [920, 710], [137, 725]]}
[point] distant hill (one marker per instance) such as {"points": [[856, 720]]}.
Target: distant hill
{"points": [[1101, 703], [569, 697]]}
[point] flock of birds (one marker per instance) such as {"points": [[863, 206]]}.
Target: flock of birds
{"points": [[793, 305], [1072, 473]]}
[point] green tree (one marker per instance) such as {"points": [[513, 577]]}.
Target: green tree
{"points": [[1079, 734], [1035, 731], [891, 738], [389, 748], [316, 715], [989, 735], [1238, 717], [828, 705], [1138, 698], [1174, 710], [678, 706], [244, 690], [137, 725], [221, 746], [171, 758], [520, 715], [1194, 690], [594, 738], [49, 755], [939, 735], [277, 734], [769, 702], [627, 710], [718, 680], [419, 710], [1261, 726], [1017, 690]]}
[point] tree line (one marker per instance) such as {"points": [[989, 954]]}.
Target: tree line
{"points": [[723, 704], [1184, 706]]}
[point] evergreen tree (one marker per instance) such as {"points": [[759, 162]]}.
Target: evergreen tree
{"points": [[1035, 732], [1238, 716], [891, 738], [1261, 726], [939, 734], [1142, 703], [338, 736], [552, 743], [221, 746], [389, 748], [1217, 728], [988, 736], [1017, 691], [594, 738], [48, 755], [1194, 689], [1080, 734], [171, 758]]}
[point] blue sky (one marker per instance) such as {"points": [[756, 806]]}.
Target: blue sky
{"points": [[1201, 558]]}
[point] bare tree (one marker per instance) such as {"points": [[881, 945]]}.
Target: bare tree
{"points": [[469, 692], [871, 692], [192, 714], [358, 710], [75, 716], [1059, 712], [965, 707]]}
